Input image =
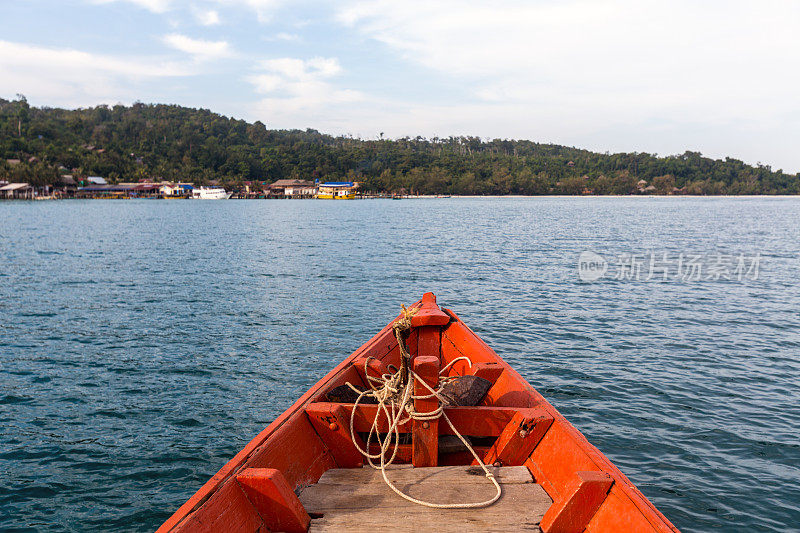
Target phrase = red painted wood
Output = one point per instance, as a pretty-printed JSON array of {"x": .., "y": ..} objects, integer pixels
[
  {"x": 619, "y": 513},
  {"x": 508, "y": 390},
  {"x": 230, "y": 511},
  {"x": 429, "y": 313},
  {"x": 292, "y": 445},
  {"x": 428, "y": 342},
  {"x": 425, "y": 435},
  {"x": 519, "y": 438},
  {"x": 375, "y": 367},
  {"x": 274, "y": 499},
  {"x": 279, "y": 452},
  {"x": 349, "y": 375},
  {"x": 387, "y": 351},
  {"x": 479, "y": 421},
  {"x": 332, "y": 423},
  {"x": 573, "y": 513},
  {"x": 556, "y": 459},
  {"x": 221, "y": 478},
  {"x": 448, "y": 459},
  {"x": 459, "y": 338},
  {"x": 488, "y": 371}
]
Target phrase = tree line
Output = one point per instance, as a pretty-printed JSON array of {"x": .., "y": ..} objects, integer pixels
[{"x": 129, "y": 143}]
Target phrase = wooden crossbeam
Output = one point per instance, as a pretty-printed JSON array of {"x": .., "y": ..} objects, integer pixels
[
  {"x": 273, "y": 499},
  {"x": 490, "y": 371},
  {"x": 479, "y": 421},
  {"x": 519, "y": 437},
  {"x": 425, "y": 434},
  {"x": 574, "y": 512},
  {"x": 445, "y": 459},
  {"x": 331, "y": 421},
  {"x": 375, "y": 367}
]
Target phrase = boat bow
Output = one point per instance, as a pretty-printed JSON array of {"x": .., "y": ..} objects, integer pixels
[{"x": 512, "y": 426}]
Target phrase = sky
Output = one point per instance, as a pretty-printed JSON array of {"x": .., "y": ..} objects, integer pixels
[{"x": 717, "y": 77}]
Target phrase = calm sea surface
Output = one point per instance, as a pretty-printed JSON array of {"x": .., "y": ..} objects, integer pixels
[{"x": 143, "y": 343}]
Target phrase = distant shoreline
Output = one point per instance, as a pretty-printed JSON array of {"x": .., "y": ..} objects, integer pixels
[
  {"x": 171, "y": 143},
  {"x": 450, "y": 197}
]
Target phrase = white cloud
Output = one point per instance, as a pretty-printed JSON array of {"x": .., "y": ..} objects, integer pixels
[
  {"x": 207, "y": 17},
  {"x": 620, "y": 47},
  {"x": 200, "y": 49},
  {"x": 156, "y": 6},
  {"x": 620, "y": 75},
  {"x": 73, "y": 78},
  {"x": 296, "y": 89},
  {"x": 303, "y": 70},
  {"x": 284, "y": 36},
  {"x": 611, "y": 74},
  {"x": 264, "y": 9}
]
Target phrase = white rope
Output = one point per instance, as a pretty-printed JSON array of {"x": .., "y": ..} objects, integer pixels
[{"x": 398, "y": 408}]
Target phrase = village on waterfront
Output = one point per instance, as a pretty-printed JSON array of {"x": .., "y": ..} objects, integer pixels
[
  {"x": 96, "y": 187},
  {"x": 73, "y": 186},
  {"x": 156, "y": 150}
]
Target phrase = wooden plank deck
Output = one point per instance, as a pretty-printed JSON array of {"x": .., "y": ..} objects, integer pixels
[{"x": 358, "y": 500}]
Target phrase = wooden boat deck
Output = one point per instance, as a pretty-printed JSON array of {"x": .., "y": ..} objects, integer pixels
[
  {"x": 358, "y": 500},
  {"x": 305, "y": 469}
]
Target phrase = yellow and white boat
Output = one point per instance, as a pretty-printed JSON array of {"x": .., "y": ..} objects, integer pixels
[{"x": 337, "y": 190}]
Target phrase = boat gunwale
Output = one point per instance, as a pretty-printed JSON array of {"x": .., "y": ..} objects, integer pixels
[
  {"x": 230, "y": 468},
  {"x": 647, "y": 509},
  {"x": 604, "y": 463}
]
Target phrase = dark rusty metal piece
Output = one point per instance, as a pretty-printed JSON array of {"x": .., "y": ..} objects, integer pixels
[
  {"x": 466, "y": 391},
  {"x": 344, "y": 394},
  {"x": 452, "y": 444}
]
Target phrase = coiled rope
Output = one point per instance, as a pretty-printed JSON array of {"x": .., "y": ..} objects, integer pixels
[{"x": 392, "y": 391}]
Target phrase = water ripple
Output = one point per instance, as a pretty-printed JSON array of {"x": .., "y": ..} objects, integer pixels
[{"x": 145, "y": 343}]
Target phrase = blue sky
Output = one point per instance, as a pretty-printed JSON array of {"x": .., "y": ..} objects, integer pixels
[{"x": 719, "y": 77}]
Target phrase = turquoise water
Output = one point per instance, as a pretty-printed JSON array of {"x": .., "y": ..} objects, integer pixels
[{"x": 143, "y": 343}]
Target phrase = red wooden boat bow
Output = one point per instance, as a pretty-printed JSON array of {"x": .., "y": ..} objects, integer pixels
[{"x": 305, "y": 471}]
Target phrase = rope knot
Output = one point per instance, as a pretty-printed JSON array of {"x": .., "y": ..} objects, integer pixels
[
  {"x": 395, "y": 399},
  {"x": 404, "y": 322}
]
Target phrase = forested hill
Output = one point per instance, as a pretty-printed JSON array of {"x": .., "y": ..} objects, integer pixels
[{"x": 176, "y": 143}]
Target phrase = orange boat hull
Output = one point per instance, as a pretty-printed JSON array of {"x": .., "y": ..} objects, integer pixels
[{"x": 588, "y": 492}]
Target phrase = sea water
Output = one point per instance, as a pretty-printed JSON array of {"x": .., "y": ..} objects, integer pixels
[{"x": 143, "y": 343}]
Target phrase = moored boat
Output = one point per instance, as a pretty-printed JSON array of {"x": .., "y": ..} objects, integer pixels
[
  {"x": 337, "y": 190},
  {"x": 423, "y": 427},
  {"x": 210, "y": 193}
]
